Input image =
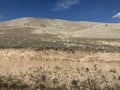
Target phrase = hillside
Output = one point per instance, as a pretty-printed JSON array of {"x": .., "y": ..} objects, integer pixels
[
  {"x": 59, "y": 34},
  {"x": 42, "y": 22},
  {"x": 67, "y": 28},
  {"x": 52, "y": 54}
]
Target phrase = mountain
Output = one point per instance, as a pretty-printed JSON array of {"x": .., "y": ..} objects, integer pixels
[
  {"x": 29, "y": 21},
  {"x": 66, "y": 28}
]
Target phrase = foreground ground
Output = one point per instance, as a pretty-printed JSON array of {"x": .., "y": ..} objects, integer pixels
[{"x": 27, "y": 69}]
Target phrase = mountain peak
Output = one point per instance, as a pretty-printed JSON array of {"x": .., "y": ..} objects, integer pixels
[{"x": 30, "y": 21}]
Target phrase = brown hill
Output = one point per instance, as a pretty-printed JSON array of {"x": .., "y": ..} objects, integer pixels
[{"x": 66, "y": 28}]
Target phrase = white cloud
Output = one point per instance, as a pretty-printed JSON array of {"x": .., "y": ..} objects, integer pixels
[
  {"x": 64, "y": 4},
  {"x": 116, "y": 15}
]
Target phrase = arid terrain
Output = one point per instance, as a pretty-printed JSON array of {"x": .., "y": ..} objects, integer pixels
[{"x": 52, "y": 54}]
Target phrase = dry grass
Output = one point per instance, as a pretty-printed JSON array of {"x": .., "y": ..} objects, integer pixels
[
  {"x": 66, "y": 29},
  {"x": 50, "y": 54},
  {"x": 58, "y": 70}
]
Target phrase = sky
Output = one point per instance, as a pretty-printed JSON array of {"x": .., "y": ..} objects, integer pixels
[{"x": 107, "y": 11}]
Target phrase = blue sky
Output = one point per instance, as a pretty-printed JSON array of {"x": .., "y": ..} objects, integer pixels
[{"x": 76, "y": 10}]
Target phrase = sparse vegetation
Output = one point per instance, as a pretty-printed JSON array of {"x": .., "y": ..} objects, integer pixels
[
  {"x": 43, "y": 80},
  {"x": 44, "y": 55},
  {"x": 58, "y": 70},
  {"x": 23, "y": 38}
]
